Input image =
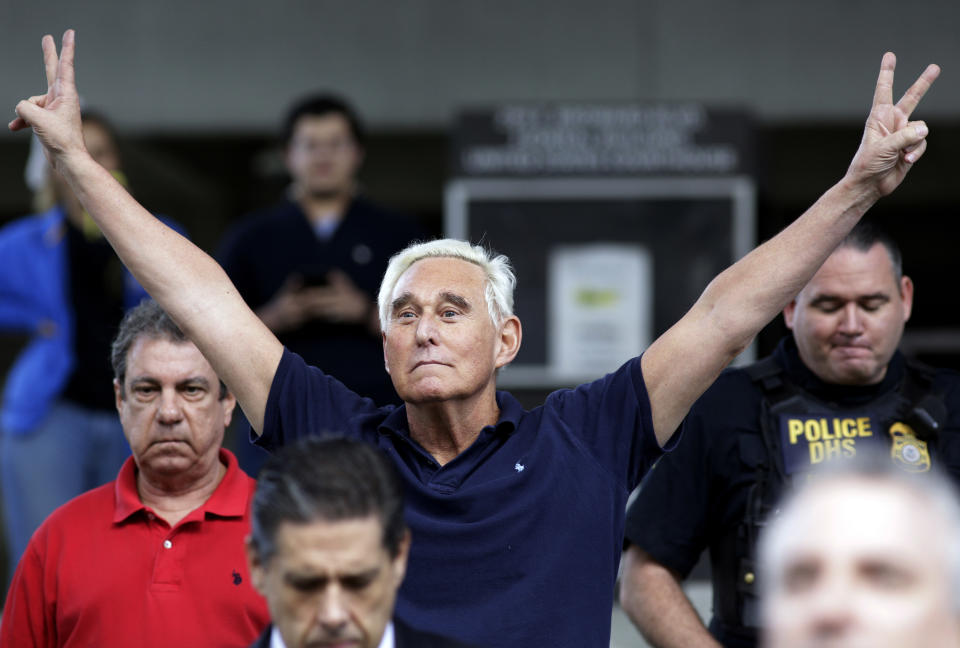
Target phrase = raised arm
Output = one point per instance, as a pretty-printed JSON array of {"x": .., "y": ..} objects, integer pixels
[
  {"x": 685, "y": 360},
  {"x": 186, "y": 282}
]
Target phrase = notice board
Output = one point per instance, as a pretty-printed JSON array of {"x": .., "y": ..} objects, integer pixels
[{"x": 615, "y": 219}]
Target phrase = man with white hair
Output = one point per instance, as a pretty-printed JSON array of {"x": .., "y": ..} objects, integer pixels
[
  {"x": 868, "y": 555},
  {"x": 517, "y": 516}
]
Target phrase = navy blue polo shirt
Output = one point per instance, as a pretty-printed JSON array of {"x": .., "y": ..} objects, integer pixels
[{"x": 516, "y": 541}]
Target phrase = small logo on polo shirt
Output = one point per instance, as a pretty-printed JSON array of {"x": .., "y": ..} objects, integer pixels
[
  {"x": 237, "y": 578},
  {"x": 518, "y": 467}
]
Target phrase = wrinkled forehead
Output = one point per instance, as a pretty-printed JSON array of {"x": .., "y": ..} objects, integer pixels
[
  {"x": 151, "y": 353},
  {"x": 432, "y": 276}
]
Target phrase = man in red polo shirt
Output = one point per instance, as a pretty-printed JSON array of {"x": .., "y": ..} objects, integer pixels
[{"x": 155, "y": 558}]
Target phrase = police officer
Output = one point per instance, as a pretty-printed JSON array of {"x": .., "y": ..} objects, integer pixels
[{"x": 837, "y": 386}]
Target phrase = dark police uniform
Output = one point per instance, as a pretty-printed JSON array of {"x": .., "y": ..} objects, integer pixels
[{"x": 753, "y": 432}]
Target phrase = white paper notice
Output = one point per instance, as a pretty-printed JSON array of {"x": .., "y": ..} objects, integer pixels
[{"x": 601, "y": 298}]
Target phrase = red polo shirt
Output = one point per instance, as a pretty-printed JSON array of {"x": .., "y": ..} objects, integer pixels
[{"x": 104, "y": 571}]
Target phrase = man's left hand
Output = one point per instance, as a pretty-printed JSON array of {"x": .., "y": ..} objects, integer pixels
[{"x": 891, "y": 143}]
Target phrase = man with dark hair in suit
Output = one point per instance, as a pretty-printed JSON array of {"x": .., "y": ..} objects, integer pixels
[{"x": 328, "y": 548}]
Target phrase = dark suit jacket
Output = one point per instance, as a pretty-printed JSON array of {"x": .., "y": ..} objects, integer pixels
[
  {"x": 263, "y": 641},
  {"x": 404, "y": 635}
]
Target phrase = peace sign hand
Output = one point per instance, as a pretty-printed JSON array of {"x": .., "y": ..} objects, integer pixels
[
  {"x": 891, "y": 143},
  {"x": 55, "y": 116}
]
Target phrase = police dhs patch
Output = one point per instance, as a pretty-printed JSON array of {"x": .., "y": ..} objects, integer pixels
[{"x": 810, "y": 440}]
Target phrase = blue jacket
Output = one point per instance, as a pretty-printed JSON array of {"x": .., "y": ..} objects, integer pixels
[{"x": 33, "y": 294}]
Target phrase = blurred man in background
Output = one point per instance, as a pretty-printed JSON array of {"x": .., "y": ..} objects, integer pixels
[
  {"x": 867, "y": 556},
  {"x": 310, "y": 266}
]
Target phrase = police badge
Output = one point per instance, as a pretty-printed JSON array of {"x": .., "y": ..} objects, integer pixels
[{"x": 907, "y": 451}]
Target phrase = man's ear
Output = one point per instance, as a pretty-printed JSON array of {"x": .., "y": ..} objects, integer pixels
[
  {"x": 228, "y": 403},
  {"x": 789, "y": 311},
  {"x": 906, "y": 296},
  {"x": 118, "y": 395},
  {"x": 400, "y": 561},
  {"x": 511, "y": 334},
  {"x": 383, "y": 337}
]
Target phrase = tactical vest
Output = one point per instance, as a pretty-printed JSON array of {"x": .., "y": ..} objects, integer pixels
[{"x": 799, "y": 431}]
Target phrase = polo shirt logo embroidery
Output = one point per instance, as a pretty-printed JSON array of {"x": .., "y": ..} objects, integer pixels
[
  {"x": 518, "y": 467},
  {"x": 237, "y": 578}
]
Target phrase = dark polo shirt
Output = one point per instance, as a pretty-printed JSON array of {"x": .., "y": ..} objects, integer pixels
[{"x": 516, "y": 541}]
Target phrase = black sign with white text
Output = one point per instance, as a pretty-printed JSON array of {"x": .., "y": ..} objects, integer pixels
[{"x": 603, "y": 140}]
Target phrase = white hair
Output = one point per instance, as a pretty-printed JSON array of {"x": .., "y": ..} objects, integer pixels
[
  {"x": 934, "y": 492},
  {"x": 498, "y": 287}
]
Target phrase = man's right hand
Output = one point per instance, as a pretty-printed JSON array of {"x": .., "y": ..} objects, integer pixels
[
  {"x": 184, "y": 280},
  {"x": 55, "y": 116}
]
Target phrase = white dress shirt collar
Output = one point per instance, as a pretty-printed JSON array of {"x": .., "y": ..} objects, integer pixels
[{"x": 276, "y": 641}]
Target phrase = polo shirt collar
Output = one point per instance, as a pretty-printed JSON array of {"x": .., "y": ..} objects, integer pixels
[
  {"x": 396, "y": 422},
  {"x": 125, "y": 491},
  {"x": 232, "y": 495},
  {"x": 230, "y": 498},
  {"x": 510, "y": 413}
]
